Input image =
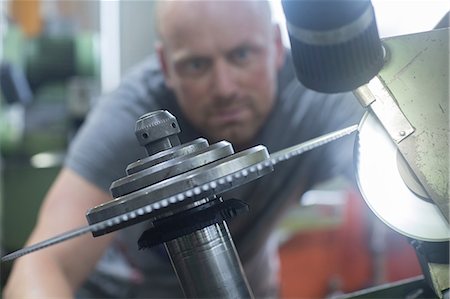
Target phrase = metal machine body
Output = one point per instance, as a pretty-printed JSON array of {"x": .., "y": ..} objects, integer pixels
[
  {"x": 402, "y": 149},
  {"x": 406, "y": 132},
  {"x": 410, "y": 97}
]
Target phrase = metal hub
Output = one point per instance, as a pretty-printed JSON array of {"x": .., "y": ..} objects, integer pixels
[
  {"x": 177, "y": 177},
  {"x": 170, "y": 168}
]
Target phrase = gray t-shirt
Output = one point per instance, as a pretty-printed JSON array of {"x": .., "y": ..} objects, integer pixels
[{"x": 106, "y": 144}]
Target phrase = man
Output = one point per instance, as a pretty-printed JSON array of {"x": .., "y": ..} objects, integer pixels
[{"x": 222, "y": 72}]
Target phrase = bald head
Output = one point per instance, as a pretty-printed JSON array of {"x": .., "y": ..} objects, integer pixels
[{"x": 170, "y": 13}]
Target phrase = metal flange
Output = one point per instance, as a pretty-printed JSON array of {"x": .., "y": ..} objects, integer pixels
[
  {"x": 175, "y": 178},
  {"x": 171, "y": 153},
  {"x": 170, "y": 168}
]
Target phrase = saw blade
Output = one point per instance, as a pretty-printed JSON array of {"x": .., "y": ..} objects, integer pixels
[
  {"x": 385, "y": 190},
  {"x": 274, "y": 159}
]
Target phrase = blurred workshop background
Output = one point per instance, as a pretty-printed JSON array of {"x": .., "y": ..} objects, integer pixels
[{"x": 56, "y": 57}]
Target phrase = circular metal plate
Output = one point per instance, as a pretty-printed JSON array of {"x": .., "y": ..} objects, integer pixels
[
  {"x": 385, "y": 191},
  {"x": 170, "y": 168},
  {"x": 171, "y": 153},
  {"x": 205, "y": 181}
]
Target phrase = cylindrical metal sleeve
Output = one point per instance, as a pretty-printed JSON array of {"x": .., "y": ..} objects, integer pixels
[{"x": 207, "y": 264}]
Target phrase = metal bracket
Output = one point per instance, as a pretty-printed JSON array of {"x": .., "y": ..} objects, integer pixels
[{"x": 378, "y": 97}]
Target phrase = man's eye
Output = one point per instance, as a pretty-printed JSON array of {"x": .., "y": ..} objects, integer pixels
[
  {"x": 241, "y": 55},
  {"x": 196, "y": 64},
  {"x": 193, "y": 67}
]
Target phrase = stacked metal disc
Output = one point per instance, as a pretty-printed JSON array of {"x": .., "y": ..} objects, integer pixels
[{"x": 175, "y": 177}]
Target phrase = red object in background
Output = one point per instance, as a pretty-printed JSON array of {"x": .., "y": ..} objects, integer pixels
[{"x": 315, "y": 264}]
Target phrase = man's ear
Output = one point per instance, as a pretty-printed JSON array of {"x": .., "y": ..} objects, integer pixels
[
  {"x": 280, "y": 51},
  {"x": 159, "y": 48}
]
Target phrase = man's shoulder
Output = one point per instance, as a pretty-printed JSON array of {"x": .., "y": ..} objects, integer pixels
[
  {"x": 141, "y": 89},
  {"x": 147, "y": 75}
]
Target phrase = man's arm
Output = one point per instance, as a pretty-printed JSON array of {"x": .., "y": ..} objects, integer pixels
[{"x": 57, "y": 271}]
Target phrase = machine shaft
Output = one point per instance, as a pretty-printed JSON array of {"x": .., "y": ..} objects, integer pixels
[{"x": 207, "y": 264}]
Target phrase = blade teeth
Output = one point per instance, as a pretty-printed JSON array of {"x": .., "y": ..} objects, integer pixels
[{"x": 197, "y": 190}]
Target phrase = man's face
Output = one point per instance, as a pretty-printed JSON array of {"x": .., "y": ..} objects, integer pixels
[{"x": 221, "y": 59}]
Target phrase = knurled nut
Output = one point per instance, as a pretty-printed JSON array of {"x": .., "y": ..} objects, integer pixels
[{"x": 156, "y": 125}]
